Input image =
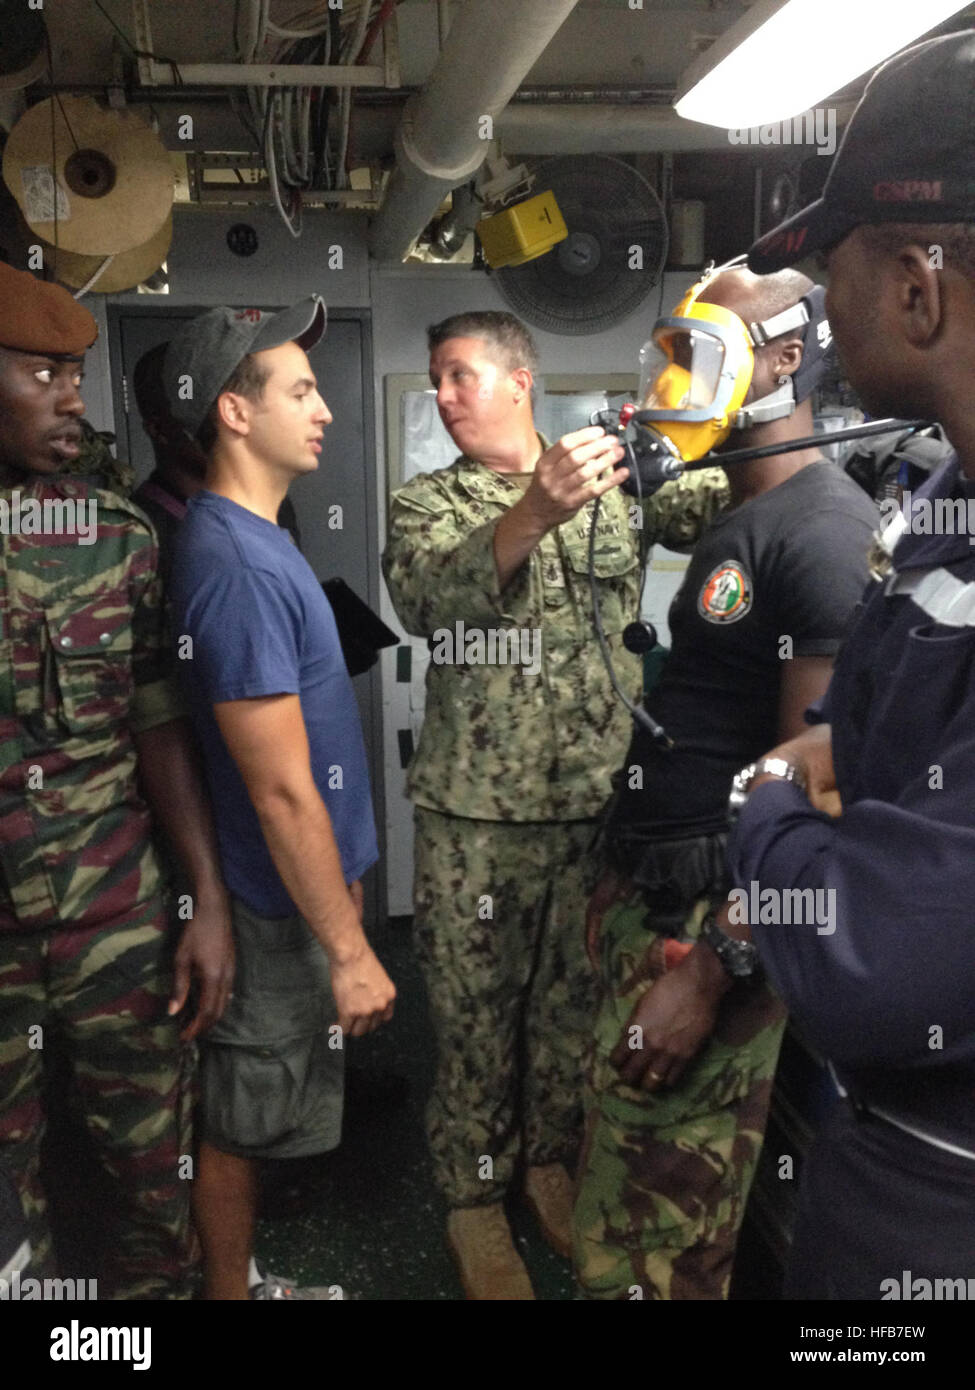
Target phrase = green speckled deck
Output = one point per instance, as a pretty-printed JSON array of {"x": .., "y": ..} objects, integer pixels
[{"x": 371, "y": 1219}]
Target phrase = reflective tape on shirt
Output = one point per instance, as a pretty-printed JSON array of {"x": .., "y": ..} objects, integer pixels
[{"x": 937, "y": 593}]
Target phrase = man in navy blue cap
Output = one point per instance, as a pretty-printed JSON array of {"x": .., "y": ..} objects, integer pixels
[
  {"x": 876, "y": 802},
  {"x": 285, "y": 759}
]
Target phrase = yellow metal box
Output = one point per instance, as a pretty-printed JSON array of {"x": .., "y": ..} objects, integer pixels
[{"x": 522, "y": 232}]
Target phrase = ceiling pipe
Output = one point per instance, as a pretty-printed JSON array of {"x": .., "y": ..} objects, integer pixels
[
  {"x": 604, "y": 129},
  {"x": 615, "y": 129},
  {"x": 444, "y": 135}
]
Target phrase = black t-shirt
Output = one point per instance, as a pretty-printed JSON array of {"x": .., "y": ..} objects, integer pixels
[{"x": 775, "y": 577}]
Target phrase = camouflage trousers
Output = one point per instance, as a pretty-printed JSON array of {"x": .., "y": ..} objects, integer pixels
[
  {"x": 500, "y": 911},
  {"x": 664, "y": 1177},
  {"x": 105, "y": 991}
]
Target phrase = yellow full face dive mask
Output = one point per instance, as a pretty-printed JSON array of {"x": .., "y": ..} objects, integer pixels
[
  {"x": 694, "y": 375},
  {"x": 697, "y": 367}
]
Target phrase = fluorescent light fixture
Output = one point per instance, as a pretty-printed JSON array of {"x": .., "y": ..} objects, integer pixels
[{"x": 783, "y": 58}]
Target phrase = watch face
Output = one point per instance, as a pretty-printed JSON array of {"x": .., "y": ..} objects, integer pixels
[
  {"x": 738, "y": 958},
  {"x": 743, "y": 964}
]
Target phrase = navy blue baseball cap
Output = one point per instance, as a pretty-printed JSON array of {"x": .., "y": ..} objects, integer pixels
[
  {"x": 907, "y": 155},
  {"x": 817, "y": 346}
]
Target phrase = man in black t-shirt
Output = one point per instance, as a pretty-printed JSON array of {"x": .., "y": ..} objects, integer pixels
[{"x": 687, "y": 1037}]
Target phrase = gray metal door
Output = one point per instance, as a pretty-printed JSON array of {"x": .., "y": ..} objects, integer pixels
[{"x": 345, "y": 477}]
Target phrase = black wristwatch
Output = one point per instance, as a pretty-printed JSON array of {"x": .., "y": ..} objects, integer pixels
[{"x": 739, "y": 959}]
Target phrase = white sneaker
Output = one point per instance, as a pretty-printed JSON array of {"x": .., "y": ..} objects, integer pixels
[{"x": 273, "y": 1286}]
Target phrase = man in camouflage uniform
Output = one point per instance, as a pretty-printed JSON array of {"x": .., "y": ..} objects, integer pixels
[
  {"x": 520, "y": 736},
  {"x": 85, "y": 944},
  {"x": 687, "y": 1037}
]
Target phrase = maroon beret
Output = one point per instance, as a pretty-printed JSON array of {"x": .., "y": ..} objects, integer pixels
[{"x": 37, "y": 316}]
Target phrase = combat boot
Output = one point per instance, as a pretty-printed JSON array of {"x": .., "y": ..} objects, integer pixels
[
  {"x": 549, "y": 1194},
  {"x": 489, "y": 1266}
]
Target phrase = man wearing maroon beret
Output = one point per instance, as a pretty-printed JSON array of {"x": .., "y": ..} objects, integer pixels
[{"x": 93, "y": 748}]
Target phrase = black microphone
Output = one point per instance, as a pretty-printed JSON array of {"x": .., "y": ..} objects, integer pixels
[{"x": 650, "y": 462}]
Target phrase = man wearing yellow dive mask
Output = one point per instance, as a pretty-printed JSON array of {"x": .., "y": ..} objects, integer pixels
[
  {"x": 697, "y": 371},
  {"x": 687, "y": 1034}
]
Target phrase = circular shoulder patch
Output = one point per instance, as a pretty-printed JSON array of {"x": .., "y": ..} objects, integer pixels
[{"x": 727, "y": 593}]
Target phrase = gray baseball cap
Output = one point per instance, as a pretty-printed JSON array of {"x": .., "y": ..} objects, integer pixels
[{"x": 204, "y": 354}]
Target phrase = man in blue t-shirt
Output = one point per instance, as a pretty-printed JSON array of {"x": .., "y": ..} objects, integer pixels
[{"x": 273, "y": 706}]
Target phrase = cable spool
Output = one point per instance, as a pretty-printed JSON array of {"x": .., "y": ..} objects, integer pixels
[
  {"x": 113, "y": 178},
  {"x": 125, "y": 270}
]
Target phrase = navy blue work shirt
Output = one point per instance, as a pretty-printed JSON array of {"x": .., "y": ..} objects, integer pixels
[{"x": 889, "y": 995}]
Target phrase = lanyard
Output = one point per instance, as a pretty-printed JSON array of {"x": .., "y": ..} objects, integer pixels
[{"x": 165, "y": 499}]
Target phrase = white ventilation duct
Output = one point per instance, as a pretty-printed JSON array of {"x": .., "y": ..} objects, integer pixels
[
  {"x": 548, "y": 129},
  {"x": 443, "y": 136}
]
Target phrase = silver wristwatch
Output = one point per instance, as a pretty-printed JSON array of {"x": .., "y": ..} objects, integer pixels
[{"x": 741, "y": 783}]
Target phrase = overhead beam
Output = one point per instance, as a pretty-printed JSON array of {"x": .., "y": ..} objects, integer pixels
[
  {"x": 152, "y": 73},
  {"x": 266, "y": 75}
]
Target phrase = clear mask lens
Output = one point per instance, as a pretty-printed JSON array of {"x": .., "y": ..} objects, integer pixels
[{"x": 680, "y": 369}]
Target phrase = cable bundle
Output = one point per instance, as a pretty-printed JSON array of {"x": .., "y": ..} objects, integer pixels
[{"x": 290, "y": 125}]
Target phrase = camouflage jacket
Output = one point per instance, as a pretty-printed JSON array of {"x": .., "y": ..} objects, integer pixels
[
  {"x": 523, "y": 724},
  {"x": 81, "y": 642},
  {"x": 97, "y": 462}
]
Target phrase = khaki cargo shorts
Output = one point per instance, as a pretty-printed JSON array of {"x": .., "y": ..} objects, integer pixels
[{"x": 271, "y": 1072}]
